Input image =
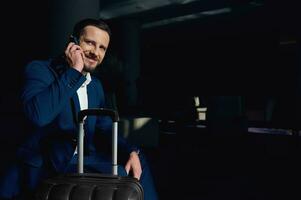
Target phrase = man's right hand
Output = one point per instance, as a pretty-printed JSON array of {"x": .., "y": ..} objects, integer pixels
[{"x": 74, "y": 55}]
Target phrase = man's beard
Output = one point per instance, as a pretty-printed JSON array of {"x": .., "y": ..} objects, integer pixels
[{"x": 89, "y": 69}]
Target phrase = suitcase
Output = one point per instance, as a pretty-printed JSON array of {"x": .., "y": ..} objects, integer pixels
[{"x": 91, "y": 186}]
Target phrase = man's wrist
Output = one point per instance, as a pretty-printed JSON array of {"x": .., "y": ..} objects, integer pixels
[{"x": 136, "y": 150}]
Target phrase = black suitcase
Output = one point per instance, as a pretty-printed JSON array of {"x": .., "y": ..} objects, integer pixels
[{"x": 85, "y": 186}]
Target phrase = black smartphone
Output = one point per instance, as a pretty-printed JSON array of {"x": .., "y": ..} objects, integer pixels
[{"x": 73, "y": 39}]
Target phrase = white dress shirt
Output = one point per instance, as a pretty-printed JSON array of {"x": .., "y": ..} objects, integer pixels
[
  {"x": 83, "y": 96},
  {"x": 82, "y": 93}
]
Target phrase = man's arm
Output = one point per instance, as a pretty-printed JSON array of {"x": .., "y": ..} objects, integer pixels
[{"x": 44, "y": 95}]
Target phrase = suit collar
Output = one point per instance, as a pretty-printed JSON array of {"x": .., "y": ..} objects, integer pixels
[{"x": 92, "y": 103}]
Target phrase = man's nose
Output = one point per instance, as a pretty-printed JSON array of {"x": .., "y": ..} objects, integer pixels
[
  {"x": 95, "y": 52},
  {"x": 92, "y": 52}
]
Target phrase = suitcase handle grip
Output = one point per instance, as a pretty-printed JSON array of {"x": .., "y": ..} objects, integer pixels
[{"x": 98, "y": 111}]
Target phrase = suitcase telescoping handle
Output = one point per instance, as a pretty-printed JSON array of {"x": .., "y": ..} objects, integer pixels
[{"x": 104, "y": 112}]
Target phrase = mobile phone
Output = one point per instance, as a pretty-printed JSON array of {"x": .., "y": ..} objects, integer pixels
[{"x": 73, "y": 39}]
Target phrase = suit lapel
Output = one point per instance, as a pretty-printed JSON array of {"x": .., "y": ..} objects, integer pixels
[
  {"x": 91, "y": 99},
  {"x": 75, "y": 107},
  {"x": 92, "y": 103}
]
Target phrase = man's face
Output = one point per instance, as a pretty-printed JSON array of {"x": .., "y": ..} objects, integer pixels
[{"x": 94, "y": 43}]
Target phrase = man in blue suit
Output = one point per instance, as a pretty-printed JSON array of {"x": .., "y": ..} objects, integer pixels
[{"x": 55, "y": 90}]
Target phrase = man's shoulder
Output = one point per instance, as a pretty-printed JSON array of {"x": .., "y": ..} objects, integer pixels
[
  {"x": 37, "y": 67},
  {"x": 38, "y": 63}
]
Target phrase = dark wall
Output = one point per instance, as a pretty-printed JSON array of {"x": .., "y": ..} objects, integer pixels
[
  {"x": 236, "y": 54},
  {"x": 24, "y": 36},
  {"x": 222, "y": 52},
  {"x": 250, "y": 53}
]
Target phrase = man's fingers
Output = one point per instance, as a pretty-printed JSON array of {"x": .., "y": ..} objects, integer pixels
[
  {"x": 72, "y": 47},
  {"x": 134, "y": 165},
  {"x": 127, "y": 167},
  {"x": 137, "y": 173},
  {"x": 68, "y": 48}
]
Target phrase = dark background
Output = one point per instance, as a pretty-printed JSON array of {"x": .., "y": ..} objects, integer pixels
[
  {"x": 252, "y": 54},
  {"x": 247, "y": 53}
]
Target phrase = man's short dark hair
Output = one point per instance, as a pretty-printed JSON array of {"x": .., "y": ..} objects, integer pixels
[{"x": 99, "y": 23}]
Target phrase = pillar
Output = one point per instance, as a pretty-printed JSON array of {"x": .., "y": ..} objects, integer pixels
[
  {"x": 64, "y": 15},
  {"x": 130, "y": 41}
]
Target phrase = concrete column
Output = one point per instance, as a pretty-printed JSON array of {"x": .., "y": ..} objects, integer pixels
[
  {"x": 64, "y": 15},
  {"x": 130, "y": 40}
]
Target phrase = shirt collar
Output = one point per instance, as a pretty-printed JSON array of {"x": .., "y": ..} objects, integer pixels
[{"x": 88, "y": 80}]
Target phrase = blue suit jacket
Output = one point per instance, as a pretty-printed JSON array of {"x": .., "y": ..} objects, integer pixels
[{"x": 50, "y": 102}]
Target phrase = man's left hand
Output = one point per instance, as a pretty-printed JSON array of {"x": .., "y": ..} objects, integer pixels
[{"x": 134, "y": 165}]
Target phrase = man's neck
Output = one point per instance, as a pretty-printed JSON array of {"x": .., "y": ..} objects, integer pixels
[{"x": 84, "y": 72}]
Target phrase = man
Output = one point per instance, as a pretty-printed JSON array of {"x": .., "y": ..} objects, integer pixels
[{"x": 54, "y": 92}]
